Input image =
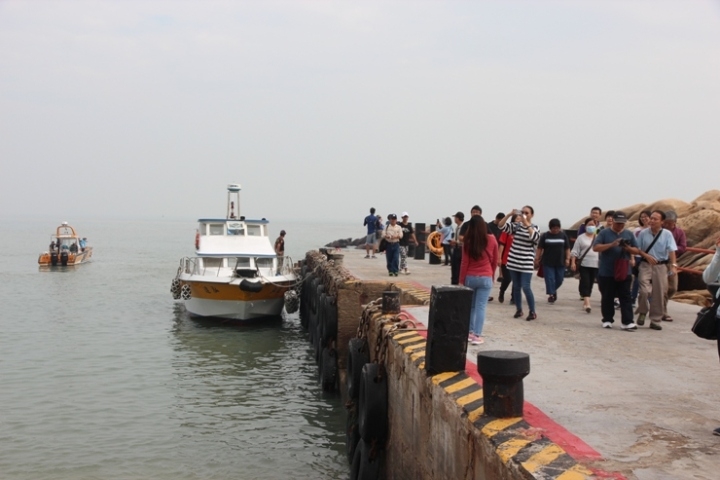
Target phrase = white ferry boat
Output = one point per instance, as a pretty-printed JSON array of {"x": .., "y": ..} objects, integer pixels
[{"x": 235, "y": 273}]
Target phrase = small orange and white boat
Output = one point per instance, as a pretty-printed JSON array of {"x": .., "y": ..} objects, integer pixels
[
  {"x": 236, "y": 273},
  {"x": 66, "y": 249}
]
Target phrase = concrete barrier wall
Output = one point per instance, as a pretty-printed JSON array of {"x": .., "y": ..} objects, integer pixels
[{"x": 437, "y": 429}]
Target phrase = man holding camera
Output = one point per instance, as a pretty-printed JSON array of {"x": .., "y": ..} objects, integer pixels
[
  {"x": 657, "y": 248},
  {"x": 615, "y": 246}
]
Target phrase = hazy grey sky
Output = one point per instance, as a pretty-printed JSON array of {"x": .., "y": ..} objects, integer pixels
[{"x": 323, "y": 109}]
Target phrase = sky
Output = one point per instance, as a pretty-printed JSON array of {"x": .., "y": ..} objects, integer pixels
[{"x": 321, "y": 110}]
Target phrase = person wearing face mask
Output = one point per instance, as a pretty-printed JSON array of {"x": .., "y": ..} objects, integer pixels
[{"x": 584, "y": 261}]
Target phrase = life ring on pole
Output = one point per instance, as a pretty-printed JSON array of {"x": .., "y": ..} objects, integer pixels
[
  {"x": 434, "y": 243},
  {"x": 197, "y": 240}
]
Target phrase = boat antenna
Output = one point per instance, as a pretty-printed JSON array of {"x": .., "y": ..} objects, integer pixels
[{"x": 233, "y": 196}]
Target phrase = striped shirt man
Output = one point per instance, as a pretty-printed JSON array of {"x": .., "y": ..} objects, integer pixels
[{"x": 522, "y": 250}]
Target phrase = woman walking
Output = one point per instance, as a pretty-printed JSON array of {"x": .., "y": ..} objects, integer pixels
[
  {"x": 506, "y": 240},
  {"x": 521, "y": 260},
  {"x": 477, "y": 270},
  {"x": 584, "y": 261}
]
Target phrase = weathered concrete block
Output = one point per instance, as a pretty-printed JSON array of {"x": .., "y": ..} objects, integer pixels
[{"x": 448, "y": 327}]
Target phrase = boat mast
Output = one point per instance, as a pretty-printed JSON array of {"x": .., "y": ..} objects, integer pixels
[{"x": 233, "y": 197}]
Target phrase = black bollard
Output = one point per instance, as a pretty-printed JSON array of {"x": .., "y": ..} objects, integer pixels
[
  {"x": 502, "y": 372},
  {"x": 391, "y": 302},
  {"x": 448, "y": 327},
  {"x": 420, "y": 236},
  {"x": 433, "y": 259}
]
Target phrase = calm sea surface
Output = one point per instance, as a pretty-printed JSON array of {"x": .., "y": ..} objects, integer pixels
[{"x": 104, "y": 376}]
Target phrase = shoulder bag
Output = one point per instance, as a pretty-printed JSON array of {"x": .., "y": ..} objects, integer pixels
[
  {"x": 705, "y": 325},
  {"x": 580, "y": 259}
]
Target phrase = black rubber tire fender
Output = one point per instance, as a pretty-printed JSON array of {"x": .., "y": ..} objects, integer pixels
[
  {"x": 365, "y": 466},
  {"x": 358, "y": 356},
  {"x": 330, "y": 320},
  {"x": 352, "y": 432},
  {"x": 328, "y": 370},
  {"x": 373, "y": 403}
]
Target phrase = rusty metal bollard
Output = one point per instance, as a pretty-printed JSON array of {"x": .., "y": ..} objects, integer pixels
[
  {"x": 448, "y": 326},
  {"x": 502, "y": 372},
  {"x": 391, "y": 302}
]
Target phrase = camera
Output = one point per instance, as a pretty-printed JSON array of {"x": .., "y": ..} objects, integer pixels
[{"x": 623, "y": 243}]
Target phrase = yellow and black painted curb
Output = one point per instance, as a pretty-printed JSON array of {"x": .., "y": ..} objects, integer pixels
[{"x": 514, "y": 440}]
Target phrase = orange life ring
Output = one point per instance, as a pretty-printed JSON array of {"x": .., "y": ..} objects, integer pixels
[
  {"x": 434, "y": 243},
  {"x": 197, "y": 240}
]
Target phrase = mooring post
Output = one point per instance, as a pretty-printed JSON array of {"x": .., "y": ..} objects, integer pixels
[
  {"x": 337, "y": 257},
  {"x": 502, "y": 372},
  {"x": 391, "y": 302},
  {"x": 420, "y": 236},
  {"x": 448, "y": 327}
]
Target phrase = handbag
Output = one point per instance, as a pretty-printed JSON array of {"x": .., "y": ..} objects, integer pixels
[
  {"x": 540, "y": 271},
  {"x": 705, "y": 325},
  {"x": 382, "y": 246},
  {"x": 579, "y": 260}
]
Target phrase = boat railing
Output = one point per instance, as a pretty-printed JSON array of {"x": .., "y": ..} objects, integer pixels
[{"x": 191, "y": 266}]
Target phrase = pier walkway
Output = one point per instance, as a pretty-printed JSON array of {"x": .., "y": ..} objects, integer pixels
[{"x": 645, "y": 401}]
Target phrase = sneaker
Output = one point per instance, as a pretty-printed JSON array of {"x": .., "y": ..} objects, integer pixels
[
  {"x": 531, "y": 316},
  {"x": 607, "y": 325},
  {"x": 477, "y": 341},
  {"x": 655, "y": 326},
  {"x": 630, "y": 326},
  {"x": 588, "y": 309},
  {"x": 390, "y": 274},
  {"x": 641, "y": 319},
  {"x": 407, "y": 272},
  {"x": 518, "y": 314},
  {"x": 373, "y": 256},
  {"x": 716, "y": 432},
  {"x": 471, "y": 337},
  {"x": 617, "y": 304},
  {"x": 667, "y": 318},
  {"x": 367, "y": 256},
  {"x": 551, "y": 299},
  {"x": 501, "y": 297},
  {"x": 490, "y": 299}
]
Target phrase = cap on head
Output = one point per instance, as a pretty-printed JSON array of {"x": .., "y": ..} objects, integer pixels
[
  {"x": 619, "y": 217},
  {"x": 392, "y": 216},
  {"x": 460, "y": 216},
  {"x": 282, "y": 232},
  {"x": 404, "y": 214}
]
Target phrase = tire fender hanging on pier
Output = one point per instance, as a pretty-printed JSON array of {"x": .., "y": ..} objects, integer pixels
[
  {"x": 358, "y": 356},
  {"x": 367, "y": 462},
  {"x": 373, "y": 400}
]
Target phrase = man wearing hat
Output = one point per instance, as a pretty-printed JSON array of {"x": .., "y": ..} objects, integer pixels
[
  {"x": 393, "y": 234},
  {"x": 408, "y": 234},
  {"x": 280, "y": 249},
  {"x": 456, "y": 259},
  {"x": 615, "y": 246}
]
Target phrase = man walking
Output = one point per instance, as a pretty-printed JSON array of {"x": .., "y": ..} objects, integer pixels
[
  {"x": 456, "y": 244},
  {"x": 615, "y": 244},
  {"x": 657, "y": 248},
  {"x": 371, "y": 222},
  {"x": 678, "y": 234}
]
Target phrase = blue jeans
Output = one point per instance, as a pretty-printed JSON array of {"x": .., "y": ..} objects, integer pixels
[
  {"x": 392, "y": 255},
  {"x": 554, "y": 277},
  {"x": 481, "y": 287},
  {"x": 521, "y": 280}
]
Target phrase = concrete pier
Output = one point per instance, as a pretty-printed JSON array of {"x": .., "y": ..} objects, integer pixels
[{"x": 636, "y": 405}]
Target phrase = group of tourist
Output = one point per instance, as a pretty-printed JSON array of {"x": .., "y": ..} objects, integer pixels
[{"x": 628, "y": 267}]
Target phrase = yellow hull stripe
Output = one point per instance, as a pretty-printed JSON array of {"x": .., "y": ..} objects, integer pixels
[{"x": 225, "y": 291}]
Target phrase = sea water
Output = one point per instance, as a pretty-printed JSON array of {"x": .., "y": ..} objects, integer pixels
[{"x": 104, "y": 376}]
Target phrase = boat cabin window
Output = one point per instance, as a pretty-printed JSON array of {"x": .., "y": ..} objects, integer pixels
[
  {"x": 242, "y": 262},
  {"x": 236, "y": 228},
  {"x": 254, "y": 230},
  {"x": 216, "y": 229},
  {"x": 264, "y": 262},
  {"x": 209, "y": 262}
]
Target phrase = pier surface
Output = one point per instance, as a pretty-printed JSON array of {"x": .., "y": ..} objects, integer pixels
[{"x": 646, "y": 401}]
